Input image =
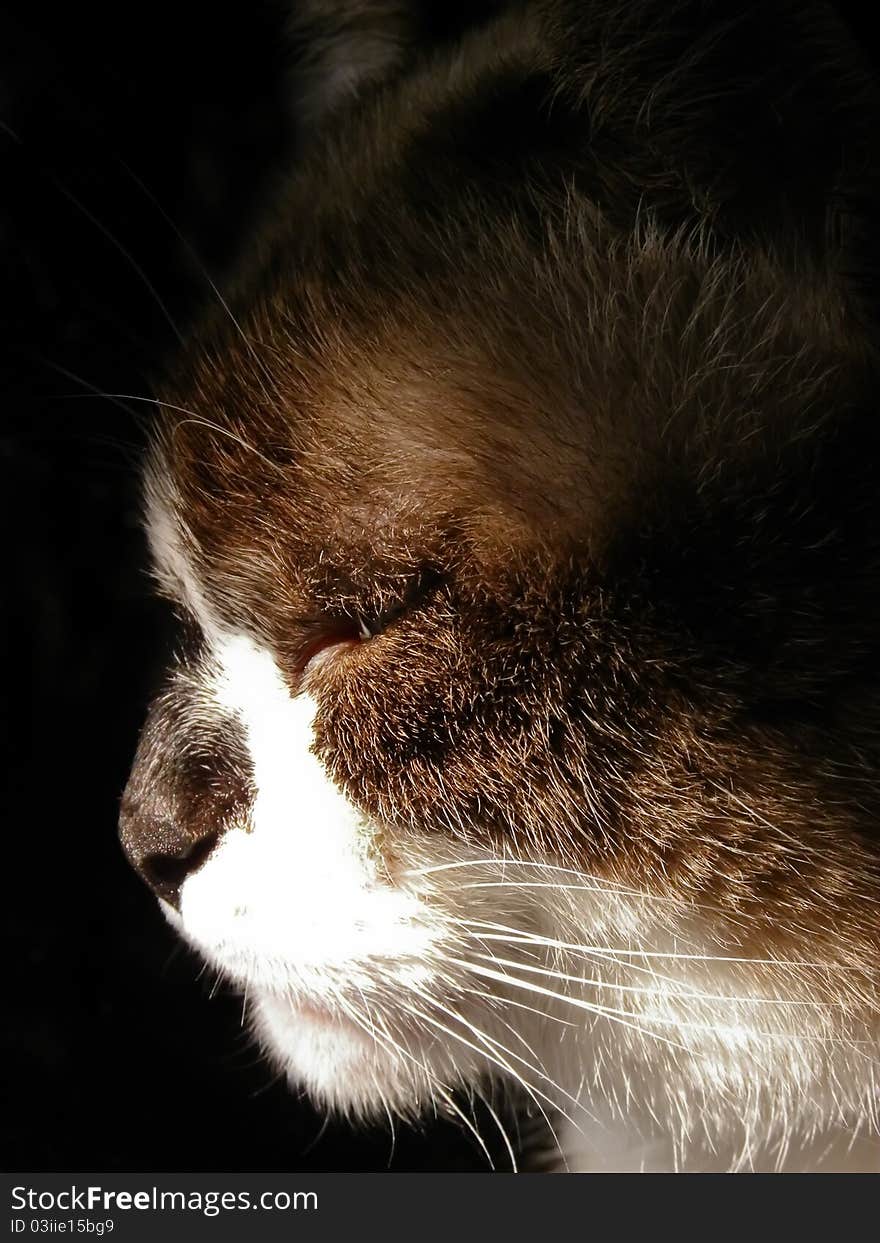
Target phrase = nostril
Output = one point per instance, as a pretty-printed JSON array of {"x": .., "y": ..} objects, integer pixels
[{"x": 165, "y": 873}]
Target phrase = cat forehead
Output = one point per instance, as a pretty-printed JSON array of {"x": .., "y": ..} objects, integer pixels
[
  {"x": 370, "y": 478},
  {"x": 494, "y": 423}
]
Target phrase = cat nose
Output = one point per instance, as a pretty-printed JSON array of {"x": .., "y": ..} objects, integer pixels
[{"x": 162, "y": 852}]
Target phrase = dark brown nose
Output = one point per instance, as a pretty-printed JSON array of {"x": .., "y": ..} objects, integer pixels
[
  {"x": 190, "y": 780},
  {"x": 160, "y": 851}
]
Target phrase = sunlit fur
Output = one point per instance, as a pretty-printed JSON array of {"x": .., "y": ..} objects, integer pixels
[{"x": 521, "y": 502}]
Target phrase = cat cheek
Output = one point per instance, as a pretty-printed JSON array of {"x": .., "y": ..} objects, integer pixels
[{"x": 291, "y": 891}]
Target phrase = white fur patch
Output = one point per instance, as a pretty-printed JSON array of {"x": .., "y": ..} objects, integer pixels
[
  {"x": 290, "y": 904},
  {"x": 292, "y": 894}
]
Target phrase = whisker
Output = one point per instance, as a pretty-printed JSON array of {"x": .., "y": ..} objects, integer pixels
[
  {"x": 522, "y": 938},
  {"x": 523, "y": 1041},
  {"x": 514, "y": 1167},
  {"x": 493, "y": 1057},
  {"x": 613, "y": 1015},
  {"x": 321, "y": 1132},
  {"x": 126, "y": 254},
  {"x": 446, "y": 1096},
  {"x": 200, "y": 421},
  {"x": 196, "y": 419},
  {"x": 717, "y": 1029},
  {"x": 197, "y": 260},
  {"x": 114, "y": 398},
  {"x": 390, "y": 1118},
  {"x": 105, "y": 231},
  {"x": 658, "y": 990},
  {"x": 442, "y": 1090},
  {"x": 616, "y": 951},
  {"x": 520, "y": 1005},
  {"x": 512, "y": 862},
  {"x": 484, "y": 1038}
]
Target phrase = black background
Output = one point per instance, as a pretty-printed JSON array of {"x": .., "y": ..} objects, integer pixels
[{"x": 114, "y": 122}]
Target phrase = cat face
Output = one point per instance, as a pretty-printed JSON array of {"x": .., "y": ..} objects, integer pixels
[{"x": 524, "y": 725}]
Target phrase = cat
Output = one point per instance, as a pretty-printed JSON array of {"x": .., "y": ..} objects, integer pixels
[{"x": 518, "y": 500}]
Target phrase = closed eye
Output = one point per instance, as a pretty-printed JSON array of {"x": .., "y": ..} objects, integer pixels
[
  {"x": 363, "y": 625},
  {"x": 336, "y": 636},
  {"x": 372, "y": 627},
  {"x": 422, "y": 587}
]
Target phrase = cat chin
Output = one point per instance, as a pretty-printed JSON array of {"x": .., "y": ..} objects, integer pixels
[
  {"x": 339, "y": 1064},
  {"x": 323, "y": 1051}
]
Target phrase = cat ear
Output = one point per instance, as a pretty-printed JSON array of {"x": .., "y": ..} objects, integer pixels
[{"x": 340, "y": 49}]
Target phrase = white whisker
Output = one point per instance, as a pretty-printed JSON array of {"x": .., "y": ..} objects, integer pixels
[
  {"x": 623, "y": 952},
  {"x": 514, "y": 1166},
  {"x": 494, "y": 1057},
  {"x": 677, "y": 993},
  {"x": 623, "y": 1017}
]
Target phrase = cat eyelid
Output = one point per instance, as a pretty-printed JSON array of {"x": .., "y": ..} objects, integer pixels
[{"x": 418, "y": 592}]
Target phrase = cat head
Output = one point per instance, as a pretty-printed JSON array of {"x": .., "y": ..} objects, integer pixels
[{"x": 523, "y": 537}]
